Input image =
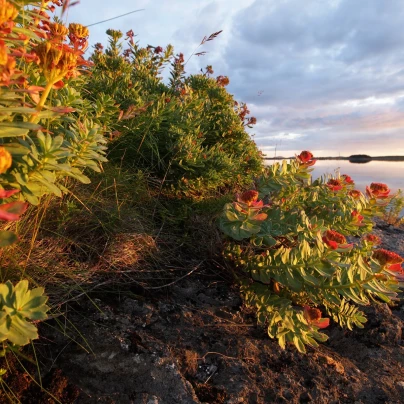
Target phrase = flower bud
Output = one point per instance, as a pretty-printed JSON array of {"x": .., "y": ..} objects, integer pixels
[
  {"x": 7, "y": 12},
  {"x": 373, "y": 239},
  {"x": 58, "y": 31},
  {"x": 78, "y": 30},
  {"x": 355, "y": 193},
  {"x": 347, "y": 179},
  {"x": 5, "y": 160},
  {"x": 334, "y": 184},
  {"x": 57, "y": 60},
  {"x": 3, "y": 53},
  {"x": 248, "y": 197},
  {"x": 386, "y": 257}
]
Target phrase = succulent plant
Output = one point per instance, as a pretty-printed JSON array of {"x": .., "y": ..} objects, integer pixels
[{"x": 18, "y": 304}]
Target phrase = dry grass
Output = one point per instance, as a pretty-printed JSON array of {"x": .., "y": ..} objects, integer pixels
[
  {"x": 112, "y": 233},
  {"x": 127, "y": 251},
  {"x": 190, "y": 362}
]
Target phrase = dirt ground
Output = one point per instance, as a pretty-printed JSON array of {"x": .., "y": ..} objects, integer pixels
[{"x": 196, "y": 343}]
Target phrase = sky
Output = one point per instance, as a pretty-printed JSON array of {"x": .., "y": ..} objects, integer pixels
[{"x": 319, "y": 75}]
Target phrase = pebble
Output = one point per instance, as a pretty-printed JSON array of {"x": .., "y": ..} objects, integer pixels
[
  {"x": 153, "y": 400},
  {"x": 401, "y": 384}
]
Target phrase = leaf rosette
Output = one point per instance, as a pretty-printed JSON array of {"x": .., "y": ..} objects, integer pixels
[{"x": 18, "y": 304}]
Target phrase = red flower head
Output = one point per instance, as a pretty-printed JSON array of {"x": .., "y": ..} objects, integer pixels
[
  {"x": 98, "y": 47},
  {"x": 334, "y": 185},
  {"x": 355, "y": 193},
  {"x": 373, "y": 239},
  {"x": 347, "y": 179},
  {"x": 248, "y": 202},
  {"x": 248, "y": 197},
  {"x": 313, "y": 317},
  {"x": 388, "y": 259},
  {"x": 158, "y": 49},
  {"x": 306, "y": 158},
  {"x": 378, "y": 190},
  {"x": 336, "y": 241},
  {"x": 357, "y": 218},
  {"x": 252, "y": 120},
  {"x": 222, "y": 81},
  {"x": 130, "y": 34}
]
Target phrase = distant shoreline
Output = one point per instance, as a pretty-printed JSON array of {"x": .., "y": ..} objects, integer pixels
[{"x": 350, "y": 158}]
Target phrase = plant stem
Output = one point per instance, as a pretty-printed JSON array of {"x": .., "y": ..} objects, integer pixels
[{"x": 34, "y": 118}]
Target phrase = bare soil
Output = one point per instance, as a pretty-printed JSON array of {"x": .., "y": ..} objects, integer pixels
[{"x": 196, "y": 343}]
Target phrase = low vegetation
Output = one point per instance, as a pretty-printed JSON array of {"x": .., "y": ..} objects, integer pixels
[
  {"x": 293, "y": 255},
  {"x": 112, "y": 176}
]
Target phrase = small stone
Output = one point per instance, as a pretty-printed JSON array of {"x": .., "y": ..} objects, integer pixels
[
  {"x": 287, "y": 394},
  {"x": 338, "y": 365},
  {"x": 153, "y": 400},
  {"x": 212, "y": 369},
  {"x": 400, "y": 384},
  {"x": 112, "y": 355},
  {"x": 305, "y": 397}
]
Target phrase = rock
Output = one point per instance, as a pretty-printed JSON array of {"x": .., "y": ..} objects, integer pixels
[
  {"x": 305, "y": 397},
  {"x": 288, "y": 395},
  {"x": 133, "y": 307},
  {"x": 153, "y": 400}
]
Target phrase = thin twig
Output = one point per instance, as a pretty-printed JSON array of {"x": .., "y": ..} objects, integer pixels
[{"x": 176, "y": 280}]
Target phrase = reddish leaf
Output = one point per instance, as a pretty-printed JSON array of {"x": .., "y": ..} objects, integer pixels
[
  {"x": 13, "y": 210},
  {"x": 6, "y": 194}
]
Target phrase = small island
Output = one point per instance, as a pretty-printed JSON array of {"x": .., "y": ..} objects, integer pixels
[{"x": 354, "y": 158}]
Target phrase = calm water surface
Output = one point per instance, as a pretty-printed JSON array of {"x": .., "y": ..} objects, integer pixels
[{"x": 388, "y": 172}]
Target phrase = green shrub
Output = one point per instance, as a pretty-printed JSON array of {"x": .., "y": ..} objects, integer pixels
[
  {"x": 48, "y": 134},
  {"x": 51, "y": 132},
  {"x": 293, "y": 255},
  {"x": 393, "y": 213},
  {"x": 188, "y": 132}
]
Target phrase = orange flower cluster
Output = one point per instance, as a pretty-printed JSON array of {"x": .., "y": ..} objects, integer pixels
[
  {"x": 8, "y": 72},
  {"x": 389, "y": 259},
  {"x": 222, "y": 81},
  {"x": 334, "y": 236},
  {"x": 373, "y": 239},
  {"x": 12, "y": 210},
  {"x": 5, "y": 160},
  {"x": 209, "y": 69},
  {"x": 7, "y": 65},
  {"x": 57, "y": 60},
  {"x": 248, "y": 202},
  {"x": 8, "y": 13},
  {"x": 248, "y": 197},
  {"x": 336, "y": 240},
  {"x": 347, "y": 179},
  {"x": 58, "y": 31},
  {"x": 378, "y": 190},
  {"x": 356, "y": 218},
  {"x": 334, "y": 184},
  {"x": 314, "y": 317},
  {"x": 355, "y": 193},
  {"x": 78, "y": 35}
]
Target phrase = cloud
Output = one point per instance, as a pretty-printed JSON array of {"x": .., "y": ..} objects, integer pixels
[{"x": 330, "y": 71}]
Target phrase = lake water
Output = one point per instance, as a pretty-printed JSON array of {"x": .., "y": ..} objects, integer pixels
[{"x": 388, "y": 172}]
